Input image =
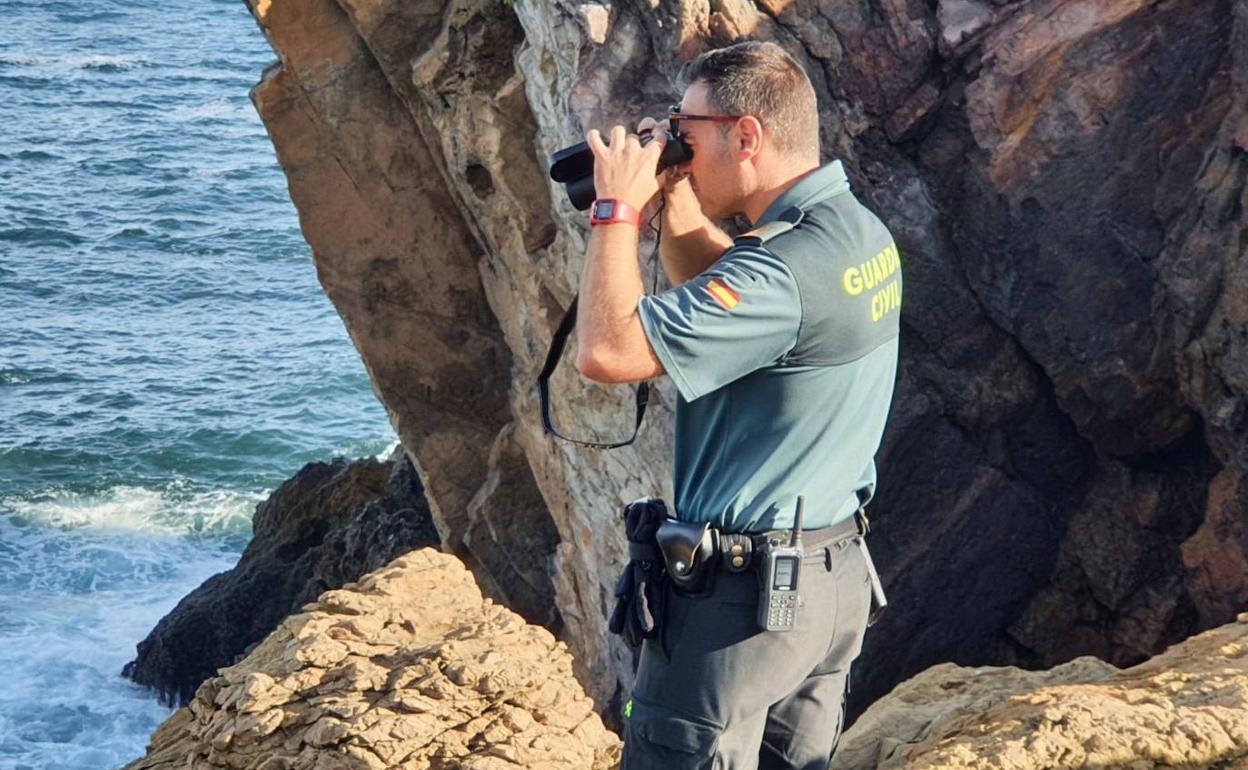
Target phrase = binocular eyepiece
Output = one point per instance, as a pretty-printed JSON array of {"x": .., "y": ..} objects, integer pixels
[{"x": 574, "y": 167}]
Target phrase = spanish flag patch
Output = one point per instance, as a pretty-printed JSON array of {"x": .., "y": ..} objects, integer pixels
[{"x": 722, "y": 294}]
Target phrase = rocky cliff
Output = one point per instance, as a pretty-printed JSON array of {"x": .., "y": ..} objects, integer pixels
[
  {"x": 1063, "y": 472},
  {"x": 410, "y": 667}
]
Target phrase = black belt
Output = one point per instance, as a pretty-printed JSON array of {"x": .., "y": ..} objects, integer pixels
[
  {"x": 736, "y": 550},
  {"x": 817, "y": 540},
  {"x": 690, "y": 552},
  {"x": 813, "y": 540}
]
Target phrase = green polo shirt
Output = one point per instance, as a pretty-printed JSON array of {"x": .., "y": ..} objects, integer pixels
[{"x": 784, "y": 355}]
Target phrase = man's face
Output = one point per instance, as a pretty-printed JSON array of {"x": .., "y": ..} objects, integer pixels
[{"x": 712, "y": 172}]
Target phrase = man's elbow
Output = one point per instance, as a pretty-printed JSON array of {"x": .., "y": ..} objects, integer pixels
[
  {"x": 594, "y": 366},
  {"x": 617, "y": 361}
]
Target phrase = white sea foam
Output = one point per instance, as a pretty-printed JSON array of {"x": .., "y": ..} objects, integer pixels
[
  {"x": 384, "y": 454},
  {"x": 74, "y": 62},
  {"x": 108, "y": 61},
  {"x": 24, "y": 59},
  {"x": 369, "y": 448},
  {"x": 170, "y": 511},
  {"x": 83, "y": 578}
]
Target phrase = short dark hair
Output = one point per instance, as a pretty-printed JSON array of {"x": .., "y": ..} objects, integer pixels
[{"x": 761, "y": 79}]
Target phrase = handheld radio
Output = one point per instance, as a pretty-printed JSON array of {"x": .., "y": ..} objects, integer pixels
[{"x": 778, "y": 599}]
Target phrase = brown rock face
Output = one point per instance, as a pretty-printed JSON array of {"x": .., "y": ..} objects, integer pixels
[
  {"x": 399, "y": 260},
  {"x": 1187, "y": 707},
  {"x": 1063, "y": 472},
  {"x": 409, "y": 667}
]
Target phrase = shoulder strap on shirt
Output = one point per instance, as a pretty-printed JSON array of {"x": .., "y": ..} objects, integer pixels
[
  {"x": 788, "y": 220},
  {"x": 553, "y": 355}
]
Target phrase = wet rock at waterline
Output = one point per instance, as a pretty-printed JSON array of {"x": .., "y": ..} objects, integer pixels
[{"x": 327, "y": 526}]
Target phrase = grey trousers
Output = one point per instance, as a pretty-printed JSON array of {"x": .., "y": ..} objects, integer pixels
[{"x": 716, "y": 693}]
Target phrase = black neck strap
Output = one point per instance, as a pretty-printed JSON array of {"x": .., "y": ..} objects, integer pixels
[{"x": 543, "y": 384}]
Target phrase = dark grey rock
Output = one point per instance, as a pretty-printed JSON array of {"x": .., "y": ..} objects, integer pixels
[{"x": 328, "y": 525}]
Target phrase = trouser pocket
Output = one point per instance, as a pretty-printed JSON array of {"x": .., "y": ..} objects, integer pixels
[{"x": 656, "y": 737}]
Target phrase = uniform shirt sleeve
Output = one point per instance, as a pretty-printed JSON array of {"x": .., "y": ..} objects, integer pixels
[{"x": 741, "y": 314}]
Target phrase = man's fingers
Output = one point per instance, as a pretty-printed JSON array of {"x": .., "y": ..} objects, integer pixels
[
  {"x": 621, "y": 138},
  {"x": 596, "y": 145},
  {"x": 655, "y": 148}
]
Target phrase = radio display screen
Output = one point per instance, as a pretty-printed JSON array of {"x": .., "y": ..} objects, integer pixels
[{"x": 784, "y": 573}]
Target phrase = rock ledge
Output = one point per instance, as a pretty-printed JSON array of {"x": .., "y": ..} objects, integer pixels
[
  {"x": 410, "y": 667},
  {"x": 1185, "y": 708}
]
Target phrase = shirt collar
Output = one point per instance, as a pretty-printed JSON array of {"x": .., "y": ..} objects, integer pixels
[{"x": 818, "y": 185}]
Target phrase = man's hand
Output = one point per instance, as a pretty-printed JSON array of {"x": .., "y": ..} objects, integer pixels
[
  {"x": 673, "y": 183},
  {"x": 612, "y": 345},
  {"x": 625, "y": 170},
  {"x": 690, "y": 242}
]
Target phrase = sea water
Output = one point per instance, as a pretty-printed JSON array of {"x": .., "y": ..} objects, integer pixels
[{"x": 166, "y": 355}]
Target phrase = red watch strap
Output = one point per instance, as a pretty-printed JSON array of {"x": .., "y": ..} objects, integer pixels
[{"x": 609, "y": 211}]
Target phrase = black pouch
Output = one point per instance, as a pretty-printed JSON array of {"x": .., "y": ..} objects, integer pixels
[
  {"x": 689, "y": 551},
  {"x": 639, "y": 593}
]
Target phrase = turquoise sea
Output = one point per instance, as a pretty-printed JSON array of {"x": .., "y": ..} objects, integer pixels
[{"x": 166, "y": 355}]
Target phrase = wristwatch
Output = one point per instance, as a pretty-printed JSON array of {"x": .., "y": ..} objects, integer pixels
[{"x": 610, "y": 211}]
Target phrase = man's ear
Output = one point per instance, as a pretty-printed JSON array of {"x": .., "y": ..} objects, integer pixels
[{"x": 749, "y": 136}]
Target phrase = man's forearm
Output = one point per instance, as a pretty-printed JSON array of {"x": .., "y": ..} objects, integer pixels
[
  {"x": 612, "y": 342},
  {"x": 688, "y": 248},
  {"x": 610, "y": 287}
]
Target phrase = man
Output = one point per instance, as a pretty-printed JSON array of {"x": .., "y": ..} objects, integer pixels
[{"x": 783, "y": 349}]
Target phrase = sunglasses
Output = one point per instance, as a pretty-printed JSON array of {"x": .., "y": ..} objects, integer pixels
[{"x": 675, "y": 116}]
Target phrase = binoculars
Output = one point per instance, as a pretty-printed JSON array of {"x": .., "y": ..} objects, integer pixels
[{"x": 573, "y": 167}]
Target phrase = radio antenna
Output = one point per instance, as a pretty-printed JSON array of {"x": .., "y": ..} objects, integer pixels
[{"x": 797, "y": 521}]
